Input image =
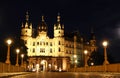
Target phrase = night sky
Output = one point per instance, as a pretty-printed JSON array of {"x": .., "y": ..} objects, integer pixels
[{"x": 76, "y": 15}]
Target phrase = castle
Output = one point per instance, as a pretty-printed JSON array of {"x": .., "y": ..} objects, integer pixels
[{"x": 59, "y": 53}]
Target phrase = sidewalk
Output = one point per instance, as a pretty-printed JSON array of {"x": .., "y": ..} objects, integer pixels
[{"x": 12, "y": 74}]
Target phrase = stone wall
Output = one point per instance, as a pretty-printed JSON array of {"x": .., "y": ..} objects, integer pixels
[
  {"x": 100, "y": 68},
  {"x": 10, "y": 68}
]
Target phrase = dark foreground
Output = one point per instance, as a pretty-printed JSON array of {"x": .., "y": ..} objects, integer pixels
[{"x": 67, "y": 75}]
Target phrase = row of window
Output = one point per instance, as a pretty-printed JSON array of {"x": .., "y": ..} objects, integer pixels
[
  {"x": 69, "y": 52},
  {"x": 42, "y": 50},
  {"x": 44, "y": 43},
  {"x": 59, "y": 43},
  {"x": 72, "y": 46}
]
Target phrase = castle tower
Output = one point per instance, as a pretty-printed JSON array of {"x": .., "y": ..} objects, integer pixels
[
  {"x": 26, "y": 29},
  {"x": 42, "y": 28},
  {"x": 93, "y": 46},
  {"x": 59, "y": 37},
  {"x": 58, "y": 28}
]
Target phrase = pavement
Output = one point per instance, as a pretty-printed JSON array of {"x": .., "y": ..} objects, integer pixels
[
  {"x": 104, "y": 74},
  {"x": 6, "y": 75}
]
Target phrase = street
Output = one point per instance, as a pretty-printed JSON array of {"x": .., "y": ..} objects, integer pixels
[{"x": 66, "y": 75}]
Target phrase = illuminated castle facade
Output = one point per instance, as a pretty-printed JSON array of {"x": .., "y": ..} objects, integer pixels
[{"x": 51, "y": 54}]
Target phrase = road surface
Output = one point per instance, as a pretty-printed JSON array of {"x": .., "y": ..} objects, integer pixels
[{"x": 67, "y": 75}]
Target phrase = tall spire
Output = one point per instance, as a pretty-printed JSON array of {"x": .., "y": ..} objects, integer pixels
[
  {"x": 42, "y": 18},
  {"x": 92, "y": 30},
  {"x": 22, "y": 25},
  {"x": 92, "y": 33},
  {"x": 58, "y": 17},
  {"x": 27, "y": 16}
]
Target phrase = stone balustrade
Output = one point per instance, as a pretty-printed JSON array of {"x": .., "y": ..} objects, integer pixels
[
  {"x": 10, "y": 68},
  {"x": 99, "y": 68}
]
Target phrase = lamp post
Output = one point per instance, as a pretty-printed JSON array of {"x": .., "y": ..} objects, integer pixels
[
  {"x": 22, "y": 56},
  {"x": 17, "y": 51},
  {"x": 9, "y": 41},
  {"x": 105, "y": 43},
  {"x": 85, "y": 52},
  {"x": 75, "y": 61}
]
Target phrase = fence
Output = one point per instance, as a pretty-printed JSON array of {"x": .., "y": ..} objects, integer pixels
[
  {"x": 100, "y": 68},
  {"x": 10, "y": 68}
]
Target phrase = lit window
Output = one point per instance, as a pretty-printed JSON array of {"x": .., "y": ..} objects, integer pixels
[
  {"x": 66, "y": 51},
  {"x": 25, "y": 41},
  {"x": 40, "y": 43},
  {"x": 33, "y": 50},
  {"x": 66, "y": 45},
  {"x": 42, "y": 50},
  {"x": 33, "y": 43},
  {"x": 46, "y": 43},
  {"x": 50, "y": 43},
  {"x": 59, "y": 42},
  {"x": 59, "y": 49},
  {"x": 37, "y": 43},
  {"x": 43, "y": 43},
  {"x": 26, "y": 31},
  {"x": 51, "y": 50}
]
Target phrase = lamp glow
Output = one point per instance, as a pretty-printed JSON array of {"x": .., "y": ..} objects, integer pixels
[{"x": 105, "y": 43}]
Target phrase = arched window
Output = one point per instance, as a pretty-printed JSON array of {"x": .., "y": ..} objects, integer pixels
[
  {"x": 33, "y": 50},
  {"x": 50, "y": 50},
  {"x": 59, "y": 49},
  {"x": 59, "y": 43},
  {"x": 59, "y": 32}
]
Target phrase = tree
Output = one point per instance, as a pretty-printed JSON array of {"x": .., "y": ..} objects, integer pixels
[
  {"x": 96, "y": 58},
  {"x": 18, "y": 43}
]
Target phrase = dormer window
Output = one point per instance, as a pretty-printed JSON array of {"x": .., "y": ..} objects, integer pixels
[{"x": 59, "y": 32}]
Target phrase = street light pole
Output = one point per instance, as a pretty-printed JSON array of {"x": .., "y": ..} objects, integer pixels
[
  {"x": 105, "y": 43},
  {"x": 9, "y": 41},
  {"x": 17, "y": 51},
  {"x": 75, "y": 62},
  {"x": 22, "y": 56},
  {"x": 85, "y": 52}
]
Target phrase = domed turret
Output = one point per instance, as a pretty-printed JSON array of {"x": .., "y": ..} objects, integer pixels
[
  {"x": 42, "y": 27},
  {"x": 26, "y": 27}
]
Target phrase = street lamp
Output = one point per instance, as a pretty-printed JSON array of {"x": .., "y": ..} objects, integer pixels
[
  {"x": 17, "y": 51},
  {"x": 75, "y": 56},
  {"x": 22, "y": 56},
  {"x": 75, "y": 61},
  {"x": 105, "y": 43},
  {"x": 92, "y": 63},
  {"x": 9, "y": 41},
  {"x": 86, "y": 52}
]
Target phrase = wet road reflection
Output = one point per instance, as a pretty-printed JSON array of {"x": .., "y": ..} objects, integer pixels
[{"x": 66, "y": 75}]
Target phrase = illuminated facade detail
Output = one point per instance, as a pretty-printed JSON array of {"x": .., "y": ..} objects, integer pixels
[{"x": 50, "y": 54}]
